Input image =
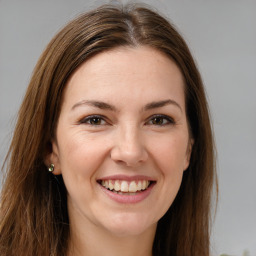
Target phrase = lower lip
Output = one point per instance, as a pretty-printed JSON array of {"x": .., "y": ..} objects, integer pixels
[{"x": 128, "y": 199}]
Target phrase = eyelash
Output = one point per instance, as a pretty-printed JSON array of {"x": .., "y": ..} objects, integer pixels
[
  {"x": 168, "y": 120},
  {"x": 164, "y": 120},
  {"x": 88, "y": 120}
]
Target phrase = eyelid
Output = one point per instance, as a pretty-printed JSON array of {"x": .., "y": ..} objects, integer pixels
[
  {"x": 170, "y": 120},
  {"x": 84, "y": 120}
]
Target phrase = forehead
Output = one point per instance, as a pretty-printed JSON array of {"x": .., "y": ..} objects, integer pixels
[
  {"x": 138, "y": 72},
  {"x": 125, "y": 60}
]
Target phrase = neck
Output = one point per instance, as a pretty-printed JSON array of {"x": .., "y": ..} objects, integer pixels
[{"x": 91, "y": 240}]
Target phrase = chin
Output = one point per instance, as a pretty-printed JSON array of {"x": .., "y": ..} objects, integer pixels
[{"x": 123, "y": 225}]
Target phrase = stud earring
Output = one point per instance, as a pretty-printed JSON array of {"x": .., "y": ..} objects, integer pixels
[{"x": 51, "y": 168}]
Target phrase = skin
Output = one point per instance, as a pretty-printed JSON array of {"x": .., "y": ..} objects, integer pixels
[{"x": 125, "y": 139}]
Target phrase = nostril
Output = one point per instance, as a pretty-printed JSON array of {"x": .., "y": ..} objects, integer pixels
[{"x": 130, "y": 157}]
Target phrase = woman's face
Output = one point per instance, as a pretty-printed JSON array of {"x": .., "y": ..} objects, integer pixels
[{"x": 122, "y": 140}]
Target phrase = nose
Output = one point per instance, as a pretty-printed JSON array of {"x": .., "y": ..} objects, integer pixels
[{"x": 129, "y": 147}]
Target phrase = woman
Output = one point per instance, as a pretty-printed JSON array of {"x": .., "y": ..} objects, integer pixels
[{"x": 113, "y": 150}]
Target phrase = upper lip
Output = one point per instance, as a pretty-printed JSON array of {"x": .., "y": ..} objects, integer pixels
[{"x": 127, "y": 178}]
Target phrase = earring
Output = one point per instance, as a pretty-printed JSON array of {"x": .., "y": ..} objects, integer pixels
[{"x": 51, "y": 168}]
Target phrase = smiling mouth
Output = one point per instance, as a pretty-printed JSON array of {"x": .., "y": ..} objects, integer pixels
[{"x": 123, "y": 187}]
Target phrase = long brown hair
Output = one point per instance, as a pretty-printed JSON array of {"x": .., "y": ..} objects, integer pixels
[{"x": 34, "y": 217}]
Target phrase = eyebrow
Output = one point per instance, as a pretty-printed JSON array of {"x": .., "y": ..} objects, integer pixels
[
  {"x": 94, "y": 103},
  {"x": 162, "y": 103},
  {"x": 103, "y": 105}
]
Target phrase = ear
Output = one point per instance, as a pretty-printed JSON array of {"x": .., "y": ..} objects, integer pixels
[
  {"x": 53, "y": 158},
  {"x": 188, "y": 154}
]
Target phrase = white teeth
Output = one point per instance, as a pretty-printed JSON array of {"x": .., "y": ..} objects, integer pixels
[
  {"x": 125, "y": 186},
  {"x": 139, "y": 186},
  {"x": 110, "y": 185},
  {"x": 116, "y": 186},
  {"x": 133, "y": 187},
  {"x": 144, "y": 184}
]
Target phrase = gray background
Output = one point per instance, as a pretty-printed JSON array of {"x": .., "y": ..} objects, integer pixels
[{"x": 222, "y": 37}]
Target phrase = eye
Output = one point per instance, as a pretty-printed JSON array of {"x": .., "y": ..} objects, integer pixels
[
  {"x": 93, "y": 120},
  {"x": 160, "y": 120}
]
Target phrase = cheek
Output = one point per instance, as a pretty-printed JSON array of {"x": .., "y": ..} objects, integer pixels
[
  {"x": 170, "y": 153},
  {"x": 79, "y": 156},
  {"x": 169, "y": 156}
]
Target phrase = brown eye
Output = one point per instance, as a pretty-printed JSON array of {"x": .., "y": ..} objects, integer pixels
[
  {"x": 157, "y": 121},
  {"x": 160, "y": 120},
  {"x": 93, "y": 120}
]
